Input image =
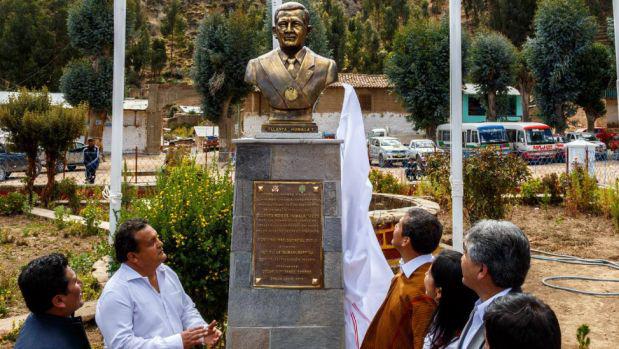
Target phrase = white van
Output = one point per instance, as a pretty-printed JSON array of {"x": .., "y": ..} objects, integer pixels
[
  {"x": 533, "y": 141},
  {"x": 474, "y": 136}
]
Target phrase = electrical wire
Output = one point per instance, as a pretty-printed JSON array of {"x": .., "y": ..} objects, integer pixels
[{"x": 560, "y": 258}]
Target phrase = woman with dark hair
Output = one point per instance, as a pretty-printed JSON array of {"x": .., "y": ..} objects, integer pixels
[{"x": 455, "y": 301}]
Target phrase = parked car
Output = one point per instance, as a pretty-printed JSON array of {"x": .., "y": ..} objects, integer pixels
[
  {"x": 377, "y": 132},
  {"x": 600, "y": 147},
  {"x": 210, "y": 143},
  {"x": 419, "y": 148},
  {"x": 13, "y": 162},
  {"x": 74, "y": 157},
  {"x": 601, "y": 133},
  {"x": 387, "y": 150},
  {"x": 613, "y": 144}
]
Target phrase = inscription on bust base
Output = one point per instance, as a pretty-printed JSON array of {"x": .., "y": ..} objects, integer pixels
[{"x": 287, "y": 238}]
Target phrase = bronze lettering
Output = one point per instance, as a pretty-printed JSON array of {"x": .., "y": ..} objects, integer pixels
[{"x": 287, "y": 234}]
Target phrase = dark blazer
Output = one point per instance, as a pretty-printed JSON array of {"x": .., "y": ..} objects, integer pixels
[
  {"x": 42, "y": 331},
  {"x": 479, "y": 339},
  {"x": 270, "y": 75}
]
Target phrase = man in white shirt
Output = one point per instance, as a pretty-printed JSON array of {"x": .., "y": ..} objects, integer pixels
[
  {"x": 495, "y": 262},
  {"x": 144, "y": 305}
]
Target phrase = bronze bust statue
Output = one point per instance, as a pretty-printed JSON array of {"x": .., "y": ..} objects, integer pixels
[{"x": 291, "y": 77}]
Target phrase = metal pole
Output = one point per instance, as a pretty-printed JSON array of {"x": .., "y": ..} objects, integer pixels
[
  {"x": 455, "y": 88},
  {"x": 616, "y": 27},
  {"x": 135, "y": 175},
  {"x": 274, "y": 5},
  {"x": 120, "y": 12}
]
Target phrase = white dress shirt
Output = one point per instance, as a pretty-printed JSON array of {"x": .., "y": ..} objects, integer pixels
[
  {"x": 409, "y": 267},
  {"x": 131, "y": 314},
  {"x": 478, "y": 316}
]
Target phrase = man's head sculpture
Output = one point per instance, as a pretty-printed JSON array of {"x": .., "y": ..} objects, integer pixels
[{"x": 291, "y": 77}]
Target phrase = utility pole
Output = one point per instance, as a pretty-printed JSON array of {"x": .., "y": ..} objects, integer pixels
[
  {"x": 455, "y": 112},
  {"x": 118, "y": 96}
]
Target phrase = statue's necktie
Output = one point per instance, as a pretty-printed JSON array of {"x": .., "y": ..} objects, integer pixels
[{"x": 291, "y": 67}]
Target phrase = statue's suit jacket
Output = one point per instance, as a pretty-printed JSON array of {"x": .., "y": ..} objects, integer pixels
[{"x": 273, "y": 79}]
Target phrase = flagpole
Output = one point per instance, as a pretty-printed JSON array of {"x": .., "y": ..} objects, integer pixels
[
  {"x": 455, "y": 91},
  {"x": 118, "y": 95},
  {"x": 616, "y": 27},
  {"x": 274, "y": 5}
]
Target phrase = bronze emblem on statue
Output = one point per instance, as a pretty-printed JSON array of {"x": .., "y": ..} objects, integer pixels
[{"x": 291, "y": 77}]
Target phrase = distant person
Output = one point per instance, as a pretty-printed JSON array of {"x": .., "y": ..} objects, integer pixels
[
  {"x": 52, "y": 292},
  {"x": 495, "y": 262},
  {"x": 91, "y": 160},
  {"x": 521, "y": 321},
  {"x": 455, "y": 301},
  {"x": 403, "y": 318},
  {"x": 143, "y": 305}
]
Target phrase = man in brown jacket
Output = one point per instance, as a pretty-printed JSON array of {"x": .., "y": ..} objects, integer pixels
[{"x": 403, "y": 318}]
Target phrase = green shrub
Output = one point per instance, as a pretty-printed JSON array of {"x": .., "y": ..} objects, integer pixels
[
  {"x": 386, "y": 183},
  {"x": 530, "y": 190},
  {"x": 192, "y": 212},
  {"x": 491, "y": 181},
  {"x": 93, "y": 215},
  {"x": 8, "y": 292},
  {"x": 60, "y": 214},
  {"x": 582, "y": 336},
  {"x": 581, "y": 194},
  {"x": 14, "y": 203},
  {"x": 608, "y": 199},
  {"x": 552, "y": 187},
  {"x": 66, "y": 189}
]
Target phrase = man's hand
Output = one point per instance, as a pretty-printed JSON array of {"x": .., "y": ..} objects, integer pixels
[
  {"x": 193, "y": 336},
  {"x": 213, "y": 334}
]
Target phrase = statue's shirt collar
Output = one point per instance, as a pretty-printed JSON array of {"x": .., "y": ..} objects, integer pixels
[{"x": 298, "y": 56}]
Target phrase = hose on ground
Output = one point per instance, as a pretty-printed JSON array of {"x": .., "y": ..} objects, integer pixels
[{"x": 560, "y": 258}]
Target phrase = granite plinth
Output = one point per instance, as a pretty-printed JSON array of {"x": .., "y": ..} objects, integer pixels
[{"x": 283, "y": 318}]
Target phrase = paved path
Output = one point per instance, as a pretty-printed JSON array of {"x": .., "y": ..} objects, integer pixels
[
  {"x": 45, "y": 213},
  {"x": 87, "y": 312}
]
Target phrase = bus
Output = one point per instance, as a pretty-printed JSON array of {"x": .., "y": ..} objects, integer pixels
[
  {"x": 475, "y": 136},
  {"x": 533, "y": 141}
]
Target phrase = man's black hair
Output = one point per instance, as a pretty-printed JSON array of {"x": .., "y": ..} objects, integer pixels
[
  {"x": 424, "y": 230},
  {"x": 42, "y": 279},
  {"x": 124, "y": 240},
  {"x": 521, "y": 321}
]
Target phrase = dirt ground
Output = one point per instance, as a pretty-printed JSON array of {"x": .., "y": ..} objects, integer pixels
[
  {"x": 551, "y": 230},
  {"x": 548, "y": 230}
]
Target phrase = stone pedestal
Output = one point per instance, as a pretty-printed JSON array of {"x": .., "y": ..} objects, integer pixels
[{"x": 277, "y": 317}]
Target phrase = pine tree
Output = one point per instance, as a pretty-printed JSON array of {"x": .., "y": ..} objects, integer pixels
[{"x": 90, "y": 26}]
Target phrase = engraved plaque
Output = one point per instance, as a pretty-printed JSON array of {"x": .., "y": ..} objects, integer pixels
[{"x": 287, "y": 237}]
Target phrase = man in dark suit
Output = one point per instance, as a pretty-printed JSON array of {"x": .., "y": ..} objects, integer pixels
[
  {"x": 495, "y": 262},
  {"x": 291, "y": 77},
  {"x": 52, "y": 292}
]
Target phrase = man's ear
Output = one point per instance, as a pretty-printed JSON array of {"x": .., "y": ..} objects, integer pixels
[
  {"x": 309, "y": 28},
  {"x": 274, "y": 30},
  {"x": 406, "y": 241},
  {"x": 439, "y": 294},
  {"x": 483, "y": 271},
  {"x": 58, "y": 301},
  {"x": 132, "y": 257}
]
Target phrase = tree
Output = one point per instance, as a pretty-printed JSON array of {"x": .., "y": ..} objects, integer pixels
[
  {"x": 594, "y": 71},
  {"x": 158, "y": 57},
  {"x": 33, "y": 46},
  {"x": 419, "y": 69},
  {"x": 89, "y": 80},
  {"x": 372, "y": 57},
  {"x": 512, "y": 18},
  {"x": 16, "y": 117},
  {"x": 353, "y": 45},
  {"x": 224, "y": 46},
  {"x": 173, "y": 27},
  {"x": 138, "y": 44},
  {"x": 58, "y": 127},
  {"x": 563, "y": 31},
  {"x": 492, "y": 64},
  {"x": 524, "y": 82},
  {"x": 335, "y": 22}
]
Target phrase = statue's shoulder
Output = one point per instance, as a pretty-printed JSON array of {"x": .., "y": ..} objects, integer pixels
[
  {"x": 268, "y": 55},
  {"x": 321, "y": 60}
]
